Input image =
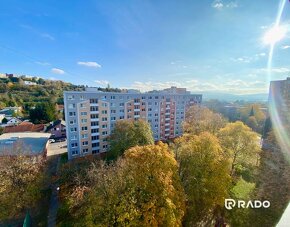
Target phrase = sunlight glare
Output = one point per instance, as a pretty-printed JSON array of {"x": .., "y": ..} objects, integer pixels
[{"x": 274, "y": 35}]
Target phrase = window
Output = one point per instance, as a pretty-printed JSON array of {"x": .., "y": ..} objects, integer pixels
[
  {"x": 113, "y": 111},
  {"x": 104, "y": 111},
  {"x": 95, "y": 144},
  {"x": 84, "y": 121},
  {"x": 85, "y": 143},
  {"x": 95, "y": 151},
  {"x": 121, "y": 104},
  {"x": 72, "y": 122},
  {"x": 72, "y": 114},
  {"x": 84, "y": 113},
  {"x": 121, "y": 117},
  {"x": 113, "y": 118},
  {"x": 156, "y": 97},
  {"x": 104, "y": 119},
  {"x": 71, "y": 105},
  {"x": 84, "y": 136},
  {"x": 73, "y": 137},
  {"x": 74, "y": 152},
  {"x": 94, "y": 116},
  {"x": 95, "y": 137},
  {"x": 95, "y": 130},
  {"x": 113, "y": 97},
  {"x": 104, "y": 126},
  {"x": 73, "y": 129},
  {"x": 82, "y": 105},
  {"x": 85, "y": 128},
  {"x": 93, "y": 100},
  {"x": 82, "y": 97},
  {"x": 122, "y": 111},
  {"x": 74, "y": 145},
  {"x": 85, "y": 150},
  {"x": 94, "y": 108},
  {"x": 70, "y": 97},
  {"x": 104, "y": 104},
  {"x": 104, "y": 133},
  {"x": 94, "y": 123}
]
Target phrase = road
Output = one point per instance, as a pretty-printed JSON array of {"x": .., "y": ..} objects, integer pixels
[
  {"x": 56, "y": 148},
  {"x": 54, "y": 151}
]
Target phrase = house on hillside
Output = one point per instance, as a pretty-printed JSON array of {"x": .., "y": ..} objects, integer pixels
[
  {"x": 13, "y": 121},
  {"x": 9, "y": 111},
  {"x": 57, "y": 129}
]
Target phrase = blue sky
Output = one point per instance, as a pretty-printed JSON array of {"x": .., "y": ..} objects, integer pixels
[{"x": 208, "y": 45}]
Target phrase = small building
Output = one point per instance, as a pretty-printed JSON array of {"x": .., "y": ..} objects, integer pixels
[
  {"x": 27, "y": 143},
  {"x": 13, "y": 121},
  {"x": 57, "y": 129},
  {"x": 26, "y": 82},
  {"x": 9, "y": 111}
]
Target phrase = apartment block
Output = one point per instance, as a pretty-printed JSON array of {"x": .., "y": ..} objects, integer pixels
[
  {"x": 91, "y": 115},
  {"x": 279, "y": 105}
]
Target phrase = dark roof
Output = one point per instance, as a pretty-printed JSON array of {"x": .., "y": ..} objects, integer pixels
[{"x": 55, "y": 123}]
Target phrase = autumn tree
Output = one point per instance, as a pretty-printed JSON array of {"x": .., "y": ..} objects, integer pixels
[
  {"x": 200, "y": 119},
  {"x": 21, "y": 180},
  {"x": 240, "y": 144},
  {"x": 140, "y": 189},
  {"x": 129, "y": 133},
  {"x": 253, "y": 116},
  {"x": 204, "y": 172}
]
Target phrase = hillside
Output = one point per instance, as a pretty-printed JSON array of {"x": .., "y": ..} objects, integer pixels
[{"x": 27, "y": 92}]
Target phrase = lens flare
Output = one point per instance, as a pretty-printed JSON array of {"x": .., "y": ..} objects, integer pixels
[
  {"x": 279, "y": 114},
  {"x": 274, "y": 35}
]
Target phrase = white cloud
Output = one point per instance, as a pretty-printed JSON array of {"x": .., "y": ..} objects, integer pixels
[
  {"x": 57, "y": 71},
  {"x": 42, "y": 63},
  {"x": 220, "y": 4},
  {"x": 102, "y": 82},
  {"x": 273, "y": 70},
  {"x": 47, "y": 36},
  {"x": 217, "y": 4},
  {"x": 89, "y": 64},
  {"x": 285, "y": 47},
  {"x": 232, "y": 5},
  {"x": 248, "y": 59},
  {"x": 237, "y": 86}
]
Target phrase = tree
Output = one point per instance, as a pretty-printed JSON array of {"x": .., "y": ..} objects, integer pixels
[
  {"x": 240, "y": 143},
  {"x": 129, "y": 133},
  {"x": 204, "y": 172},
  {"x": 4, "y": 120},
  {"x": 140, "y": 189},
  {"x": 201, "y": 119},
  {"x": 43, "y": 113},
  {"x": 1, "y": 130},
  {"x": 21, "y": 181}
]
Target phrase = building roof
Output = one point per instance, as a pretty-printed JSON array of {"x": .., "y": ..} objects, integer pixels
[
  {"x": 32, "y": 143},
  {"x": 55, "y": 123},
  {"x": 24, "y": 127}
]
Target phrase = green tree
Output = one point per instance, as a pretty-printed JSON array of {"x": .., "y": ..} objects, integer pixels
[
  {"x": 129, "y": 133},
  {"x": 43, "y": 113},
  {"x": 200, "y": 119},
  {"x": 204, "y": 172},
  {"x": 4, "y": 120},
  {"x": 240, "y": 143}
]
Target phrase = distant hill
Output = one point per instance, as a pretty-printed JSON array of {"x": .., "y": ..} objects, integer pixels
[{"x": 232, "y": 97}]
